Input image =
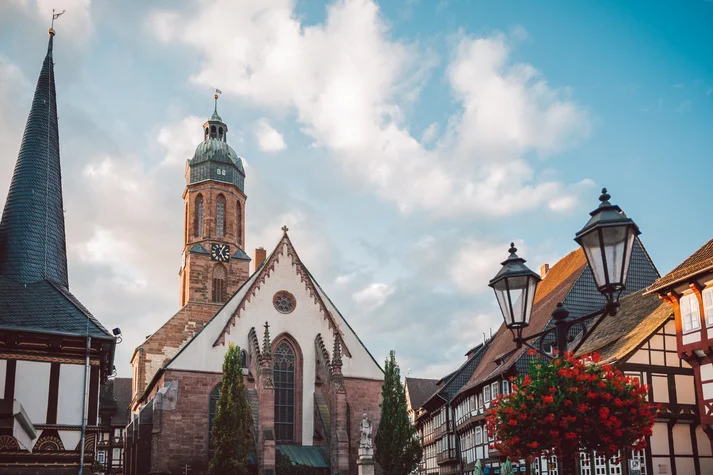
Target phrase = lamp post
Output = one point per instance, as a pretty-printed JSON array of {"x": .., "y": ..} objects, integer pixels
[{"x": 607, "y": 240}]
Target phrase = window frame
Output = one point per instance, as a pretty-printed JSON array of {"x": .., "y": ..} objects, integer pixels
[
  {"x": 708, "y": 308},
  {"x": 690, "y": 302}
]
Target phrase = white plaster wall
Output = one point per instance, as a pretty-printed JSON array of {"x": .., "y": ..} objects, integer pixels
[
  {"x": 685, "y": 389},
  {"x": 71, "y": 392},
  {"x": 3, "y": 373},
  {"x": 32, "y": 387},
  {"x": 303, "y": 324}
]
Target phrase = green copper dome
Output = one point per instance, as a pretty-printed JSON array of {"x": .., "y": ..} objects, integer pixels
[{"x": 214, "y": 159}]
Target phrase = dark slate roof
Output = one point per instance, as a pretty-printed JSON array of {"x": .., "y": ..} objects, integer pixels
[
  {"x": 698, "y": 262},
  {"x": 240, "y": 254},
  {"x": 639, "y": 316},
  {"x": 45, "y": 307},
  {"x": 197, "y": 248},
  {"x": 419, "y": 389},
  {"x": 32, "y": 239},
  {"x": 449, "y": 386},
  {"x": 116, "y": 395}
]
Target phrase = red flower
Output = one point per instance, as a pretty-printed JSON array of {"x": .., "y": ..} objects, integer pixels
[
  {"x": 512, "y": 422},
  {"x": 533, "y": 444},
  {"x": 570, "y": 435},
  {"x": 549, "y": 399}
]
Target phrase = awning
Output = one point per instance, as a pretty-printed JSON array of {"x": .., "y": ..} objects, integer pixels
[{"x": 308, "y": 455}]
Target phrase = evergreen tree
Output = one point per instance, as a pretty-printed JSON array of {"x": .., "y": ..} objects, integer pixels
[
  {"x": 231, "y": 439},
  {"x": 398, "y": 449}
]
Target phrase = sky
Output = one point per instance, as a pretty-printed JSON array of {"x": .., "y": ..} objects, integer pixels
[{"x": 405, "y": 143}]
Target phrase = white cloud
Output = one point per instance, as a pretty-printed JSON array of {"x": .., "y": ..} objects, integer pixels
[
  {"x": 346, "y": 81},
  {"x": 373, "y": 296},
  {"x": 476, "y": 262},
  {"x": 180, "y": 140},
  {"x": 268, "y": 139},
  {"x": 430, "y": 134}
]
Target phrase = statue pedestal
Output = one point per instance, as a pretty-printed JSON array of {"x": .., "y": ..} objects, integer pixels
[{"x": 366, "y": 464}]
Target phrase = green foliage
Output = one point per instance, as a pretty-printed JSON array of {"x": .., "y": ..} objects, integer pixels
[
  {"x": 231, "y": 439},
  {"x": 398, "y": 449}
]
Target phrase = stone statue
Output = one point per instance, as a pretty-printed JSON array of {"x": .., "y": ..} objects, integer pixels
[
  {"x": 366, "y": 448},
  {"x": 365, "y": 427}
]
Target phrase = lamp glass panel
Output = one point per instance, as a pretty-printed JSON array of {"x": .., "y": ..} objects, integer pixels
[
  {"x": 501, "y": 294},
  {"x": 614, "y": 242},
  {"x": 590, "y": 244},
  {"x": 532, "y": 288}
]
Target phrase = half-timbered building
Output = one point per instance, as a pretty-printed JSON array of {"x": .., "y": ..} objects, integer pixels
[
  {"x": 53, "y": 353},
  {"x": 641, "y": 342},
  {"x": 688, "y": 290}
]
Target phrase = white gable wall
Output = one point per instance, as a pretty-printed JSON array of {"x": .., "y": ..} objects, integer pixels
[{"x": 303, "y": 324}]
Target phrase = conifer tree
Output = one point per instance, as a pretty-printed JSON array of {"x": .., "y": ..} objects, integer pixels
[
  {"x": 231, "y": 439},
  {"x": 398, "y": 449}
]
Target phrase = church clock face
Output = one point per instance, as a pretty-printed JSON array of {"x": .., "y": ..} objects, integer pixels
[{"x": 220, "y": 252}]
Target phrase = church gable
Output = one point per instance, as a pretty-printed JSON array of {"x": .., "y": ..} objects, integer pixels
[{"x": 283, "y": 293}]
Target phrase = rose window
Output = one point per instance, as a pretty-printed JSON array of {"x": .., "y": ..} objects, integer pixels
[{"x": 284, "y": 301}]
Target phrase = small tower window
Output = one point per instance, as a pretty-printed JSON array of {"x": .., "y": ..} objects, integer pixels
[
  {"x": 219, "y": 287},
  {"x": 220, "y": 217},
  {"x": 206, "y": 133},
  {"x": 212, "y": 131},
  {"x": 198, "y": 217},
  {"x": 220, "y": 133},
  {"x": 239, "y": 223}
]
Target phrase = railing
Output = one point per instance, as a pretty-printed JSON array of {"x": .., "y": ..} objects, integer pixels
[{"x": 447, "y": 456}]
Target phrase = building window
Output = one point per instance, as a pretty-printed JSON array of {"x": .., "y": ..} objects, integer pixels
[
  {"x": 708, "y": 306},
  {"x": 219, "y": 288},
  {"x": 117, "y": 432},
  {"x": 239, "y": 225},
  {"x": 478, "y": 436},
  {"x": 486, "y": 395},
  {"x": 116, "y": 455},
  {"x": 284, "y": 301},
  {"x": 690, "y": 313},
  {"x": 284, "y": 378},
  {"x": 101, "y": 457},
  {"x": 198, "y": 217},
  {"x": 243, "y": 359},
  {"x": 506, "y": 387},
  {"x": 494, "y": 388},
  {"x": 220, "y": 216},
  {"x": 212, "y": 412}
]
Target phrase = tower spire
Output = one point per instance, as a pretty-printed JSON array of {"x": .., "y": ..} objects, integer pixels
[{"x": 32, "y": 238}]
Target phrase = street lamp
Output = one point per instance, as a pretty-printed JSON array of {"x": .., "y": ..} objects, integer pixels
[{"x": 607, "y": 240}]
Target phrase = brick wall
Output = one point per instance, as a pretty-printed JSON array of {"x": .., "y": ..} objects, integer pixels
[
  {"x": 363, "y": 396},
  {"x": 184, "y": 431}
]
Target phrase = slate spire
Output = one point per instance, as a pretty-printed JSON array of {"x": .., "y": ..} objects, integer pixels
[{"x": 32, "y": 239}]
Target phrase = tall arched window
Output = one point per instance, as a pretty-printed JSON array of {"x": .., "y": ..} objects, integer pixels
[
  {"x": 219, "y": 286},
  {"x": 239, "y": 223},
  {"x": 212, "y": 412},
  {"x": 198, "y": 217},
  {"x": 220, "y": 216},
  {"x": 284, "y": 378}
]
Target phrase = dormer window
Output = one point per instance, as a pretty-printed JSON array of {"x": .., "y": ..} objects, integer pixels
[{"x": 690, "y": 313}]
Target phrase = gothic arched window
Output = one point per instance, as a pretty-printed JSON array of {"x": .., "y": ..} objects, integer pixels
[
  {"x": 243, "y": 359},
  {"x": 219, "y": 286},
  {"x": 212, "y": 412},
  {"x": 198, "y": 217},
  {"x": 220, "y": 216},
  {"x": 239, "y": 223},
  {"x": 212, "y": 131},
  {"x": 284, "y": 378}
]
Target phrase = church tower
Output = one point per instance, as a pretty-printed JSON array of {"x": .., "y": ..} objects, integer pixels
[{"x": 214, "y": 263}]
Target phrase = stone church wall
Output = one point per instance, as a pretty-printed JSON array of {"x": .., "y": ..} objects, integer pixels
[
  {"x": 363, "y": 396},
  {"x": 182, "y": 433}
]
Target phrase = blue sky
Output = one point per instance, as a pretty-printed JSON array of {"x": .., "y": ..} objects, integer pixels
[{"x": 404, "y": 143}]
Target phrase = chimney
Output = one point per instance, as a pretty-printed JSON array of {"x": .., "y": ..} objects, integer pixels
[
  {"x": 260, "y": 256},
  {"x": 544, "y": 269}
]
